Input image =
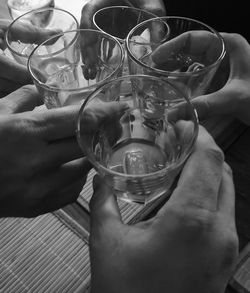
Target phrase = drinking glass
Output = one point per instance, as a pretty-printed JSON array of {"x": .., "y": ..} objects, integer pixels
[
  {"x": 19, "y": 7},
  {"x": 187, "y": 54},
  {"x": 34, "y": 27},
  {"x": 118, "y": 21},
  {"x": 137, "y": 131},
  {"x": 68, "y": 66}
]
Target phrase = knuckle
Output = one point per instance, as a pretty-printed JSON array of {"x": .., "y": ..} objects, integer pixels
[
  {"x": 215, "y": 154},
  {"x": 233, "y": 40},
  {"x": 195, "y": 220},
  {"x": 236, "y": 37},
  {"x": 28, "y": 88}
]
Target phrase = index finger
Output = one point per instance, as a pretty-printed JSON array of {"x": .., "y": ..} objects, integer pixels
[
  {"x": 24, "y": 99},
  {"x": 192, "y": 42},
  {"x": 29, "y": 33},
  {"x": 56, "y": 123},
  {"x": 11, "y": 70},
  {"x": 98, "y": 113}
]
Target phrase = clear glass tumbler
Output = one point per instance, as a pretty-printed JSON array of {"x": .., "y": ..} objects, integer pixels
[
  {"x": 34, "y": 27},
  {"x": 188, "y": 54},
  {"x": 137, "y": 131},
  {"x": 118, "y": 21},
  {"x": 69, "y": 66}
]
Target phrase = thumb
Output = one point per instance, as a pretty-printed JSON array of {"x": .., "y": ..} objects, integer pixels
[
  {"x": 222, "y": 102},
  {"x": 104, "y": 210}
]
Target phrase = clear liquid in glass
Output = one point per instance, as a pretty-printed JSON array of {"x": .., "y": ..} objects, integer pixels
[
  {"x": 159, "y": 149},
  {"x": 67, "y": 82}
]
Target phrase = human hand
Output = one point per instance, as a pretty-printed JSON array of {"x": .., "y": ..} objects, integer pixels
[
  {"x": 90, "y": 45},
  {"x": 189, "y": 246},
  {"x": 90, "y": 8},
  {"x": 43, "y": 169},
  {"x": 24, "y": 31},
  {"x": 14, "y": 75},
  {"x": 233, "y": 94}
]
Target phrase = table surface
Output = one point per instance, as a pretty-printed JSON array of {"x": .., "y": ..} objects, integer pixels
[{"x": 237, "y": 155}]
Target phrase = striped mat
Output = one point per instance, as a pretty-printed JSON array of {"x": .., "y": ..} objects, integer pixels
[
  {"x": 49, "y": 253},
  {"x": 41, "y": 255}
]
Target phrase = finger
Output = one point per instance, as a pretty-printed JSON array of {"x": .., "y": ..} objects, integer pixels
[
  {"x": 222, "y": 102},
  {"x": 30, "y": 34},
  {"x": 2, "y": 43},
  {"x": 8, "y": 86},
  {"x": 194, "y": 42},
  {"x": 156, "y": 7},
  {"x": 61, "y": 152},
  {"x": 66, "y": 175},
  {"x": 96, "y": 114},
  {"x": 57, "y": 123},
  {"x": 238, "y": 49},
  {"x": 24, "y": 99},
  {"x": 59, "y": 199},
  {"x": 4, "y": 24},
  {"x": 104, "y": 210},
  {"x": 11, "y": 70},
  {"x": 200, "y": 179},
  {"x": 226, "y": 200}
]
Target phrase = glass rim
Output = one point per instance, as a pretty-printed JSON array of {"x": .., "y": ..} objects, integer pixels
[
  {"x": 121, "y": 7},
  {"x": 72, "y": 90},
  {"x": 99, "y": 166},
  {"x": 29, "y": 12},
  {"x": 171, "y": 73}
]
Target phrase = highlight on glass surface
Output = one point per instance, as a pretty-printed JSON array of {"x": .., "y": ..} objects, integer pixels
[
  {"x": 118, "y": 21},
  {"x": 34, "y": 27},
  {"x": 19, "y": 7},
  {"x": 137, "y": 131},
  {"x": 188, "y": 55},
  {"x": 69, "y": 66}
]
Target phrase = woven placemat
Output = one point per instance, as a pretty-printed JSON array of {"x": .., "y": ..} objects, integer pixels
[{"x": 42, "y": 255}]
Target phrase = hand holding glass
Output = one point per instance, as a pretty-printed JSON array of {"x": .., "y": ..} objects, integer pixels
[
  {"x": 137, "y": 131},
  {"x": 68, "y": 66},
  {"x": 34, "y": 27},
  {"x": 188, "y": 54},
  {"x": 117, "y": 21}
]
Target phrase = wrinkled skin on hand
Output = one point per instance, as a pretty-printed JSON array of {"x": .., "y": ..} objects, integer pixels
[
  {"x": 189, "y": 246},
  {"x": 42, "y": 165},
  {"x": 233, "y": 92}
]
